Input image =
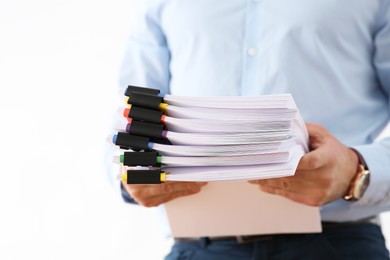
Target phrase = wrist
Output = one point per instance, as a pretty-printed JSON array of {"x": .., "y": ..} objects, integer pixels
[{"x": 360, "y": 180}]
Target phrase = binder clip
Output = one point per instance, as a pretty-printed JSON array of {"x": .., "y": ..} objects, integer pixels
[
  {"x": 145, "y": 129},
  {"x": 144, "y": 114},
  {"x": 140, "y": 159},
  {"x": 131, "y": 89},
  {"x": 128, "y": 141},
  {"x": 155, "y": 176}
]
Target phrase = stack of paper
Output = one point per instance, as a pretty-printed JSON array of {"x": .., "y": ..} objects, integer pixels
[
  {"x": 224, "y": 141},
  {"x": 213, "y": 138}
]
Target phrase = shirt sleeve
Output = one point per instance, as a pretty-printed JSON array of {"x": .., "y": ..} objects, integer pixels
[
  {"x": 126, "y": 196},
  {"x": 146, "y": 57},
  {"x": 377, "y": 155}
]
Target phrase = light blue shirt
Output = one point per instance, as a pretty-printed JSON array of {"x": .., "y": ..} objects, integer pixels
[{"x": 332, "y": 56}]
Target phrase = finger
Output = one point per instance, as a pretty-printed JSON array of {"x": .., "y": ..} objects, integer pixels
[
  {"x": 313, "y": 160},
  {"x": 294, "y": 196},
  {"x": 291, "y": 184},
  {"x": 158, "y": 200},
  {"x": 199, "y": 183},
  {"x": 139, "y": 191},
  {"x": 301, "y": 176},
  {"x": 310, "y": 192},
  {"x": 171, "y": 187},
  {"x": 317, "y": 134},
  {"x": 277, "y": 183}
]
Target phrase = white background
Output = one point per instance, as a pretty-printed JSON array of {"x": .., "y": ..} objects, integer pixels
[{"x": 58, "y": 91}]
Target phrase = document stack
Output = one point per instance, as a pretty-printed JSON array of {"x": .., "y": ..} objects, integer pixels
[{"x": 222, "y": 138}]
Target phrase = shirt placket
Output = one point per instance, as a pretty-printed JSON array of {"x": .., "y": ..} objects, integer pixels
[{"x": 251, "y": 49}]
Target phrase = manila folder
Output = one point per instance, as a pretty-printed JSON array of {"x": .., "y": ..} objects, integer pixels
[{"x": 238, "y": 208}]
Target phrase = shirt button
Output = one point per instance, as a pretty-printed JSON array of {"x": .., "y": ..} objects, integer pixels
[{"x": 252, "y": 51}]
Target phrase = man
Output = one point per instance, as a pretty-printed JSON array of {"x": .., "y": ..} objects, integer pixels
[{"x": 332, "y": 56}]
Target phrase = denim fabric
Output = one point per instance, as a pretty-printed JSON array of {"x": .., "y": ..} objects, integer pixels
[{"x": 359, "y": 241}]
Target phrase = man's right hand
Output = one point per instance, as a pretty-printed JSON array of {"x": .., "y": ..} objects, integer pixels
[{"x": 151, "y": 195}]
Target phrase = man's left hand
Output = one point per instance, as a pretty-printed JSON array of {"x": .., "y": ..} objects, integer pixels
[{"x": 323, "y": 175}]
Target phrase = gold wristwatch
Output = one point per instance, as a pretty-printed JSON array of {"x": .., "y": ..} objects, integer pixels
[{"x": 359, "y": 182}]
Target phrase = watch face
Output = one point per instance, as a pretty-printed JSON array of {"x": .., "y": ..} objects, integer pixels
[{"x": 361, "y": 184}]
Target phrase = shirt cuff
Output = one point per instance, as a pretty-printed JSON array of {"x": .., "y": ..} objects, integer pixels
[
  {"x": 126, "y": 196},
  {"x": 377, "y": 158}
]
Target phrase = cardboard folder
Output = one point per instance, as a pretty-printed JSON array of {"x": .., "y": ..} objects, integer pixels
[{"x": 238, "y": 208}]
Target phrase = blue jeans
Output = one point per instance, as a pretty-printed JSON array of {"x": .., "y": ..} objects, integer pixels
[{"x": 358, "y": 241}]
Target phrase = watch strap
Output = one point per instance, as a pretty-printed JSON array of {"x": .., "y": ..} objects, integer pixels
[
  {"x": 362, "y": 172},
  {"x": 361, "y": 159}
]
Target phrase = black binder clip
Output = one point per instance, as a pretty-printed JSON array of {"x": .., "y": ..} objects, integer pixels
[
  {"x": 131, "y": 89},
  {"x": 144, "y": 114},
  {"x": 128, "y": 141},
  {"x": 140, "y": 159},
  {"x": 145, "y": 129},
  {"x": 145, "y": 100},
  {"x": 144, "y": 176}
]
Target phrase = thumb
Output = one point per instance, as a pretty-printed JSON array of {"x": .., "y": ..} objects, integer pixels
[
  {"x": 312, "y": 160},
  {"x": 317, "y": 134}
]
